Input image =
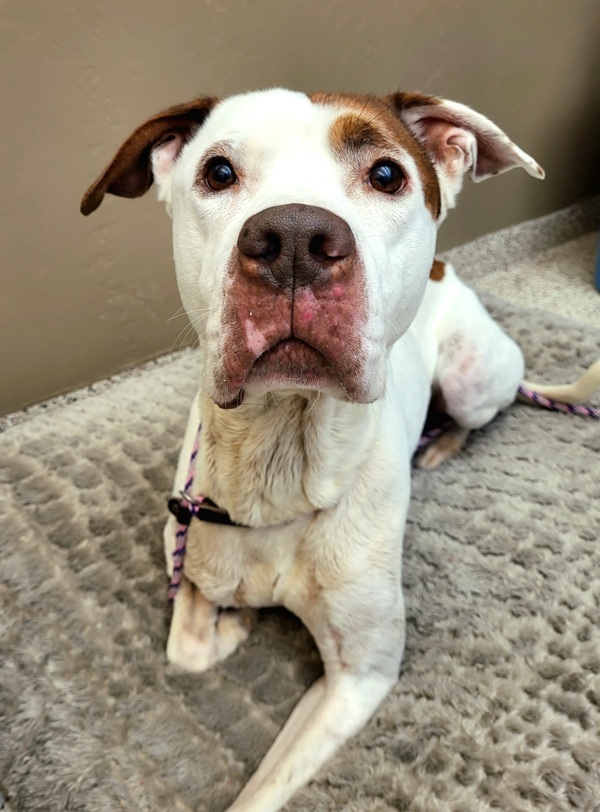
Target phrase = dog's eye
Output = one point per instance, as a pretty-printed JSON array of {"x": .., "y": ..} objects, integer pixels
[
  {"x": 386, "y": 176},
  {"x": 219, "y": 174}
]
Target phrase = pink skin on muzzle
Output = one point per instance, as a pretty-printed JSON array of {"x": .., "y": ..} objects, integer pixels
[{"x": 306, "y": 336}]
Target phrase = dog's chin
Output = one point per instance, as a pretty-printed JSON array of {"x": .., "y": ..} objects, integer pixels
[{"x": 293, "y": 365}]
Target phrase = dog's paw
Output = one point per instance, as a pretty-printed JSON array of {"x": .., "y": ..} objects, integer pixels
[
  {"x": 443, "y": 448},
  {"x": 233, "y": 628},
  {"x": 197, "y": 652}
]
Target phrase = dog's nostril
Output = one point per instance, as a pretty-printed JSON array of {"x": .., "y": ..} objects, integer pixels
[
  {"x": 323, "y": 247},
  {"x": 316, "y": 248},
  {"x": 272, "y": 246},
  {"x": 262, "y": 245},
  {"x": 332, "y": 244}
]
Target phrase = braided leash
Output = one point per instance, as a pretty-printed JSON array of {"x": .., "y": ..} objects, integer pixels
[
  {"x": 557, "y": 406},
  {"x": 194, "y": 504},
  {"x": 182, "y": 529}
]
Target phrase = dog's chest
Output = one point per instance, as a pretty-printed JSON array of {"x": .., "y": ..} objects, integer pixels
[
  {"x": 241, "y": 567},
  {"x": 254, "y": 467},
  {"x": 276, "y": 464},
  {"x": 275, "y": 473}
]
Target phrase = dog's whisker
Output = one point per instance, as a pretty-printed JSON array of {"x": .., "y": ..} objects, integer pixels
[
  {"x": 179, "y": 312},
  {"x": 369, "y": 97},
  {"x": 188, "y": 313},
  {"x": 314, "y": 403},
  {"x": 183, "y": 337},
  {"x": 275, "y": 400}
]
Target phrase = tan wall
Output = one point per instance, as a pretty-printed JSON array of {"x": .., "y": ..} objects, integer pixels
[{"x": 81, "y": 298}]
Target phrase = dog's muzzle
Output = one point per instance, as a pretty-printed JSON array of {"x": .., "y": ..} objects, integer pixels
[{"x": 295, "y": 311}]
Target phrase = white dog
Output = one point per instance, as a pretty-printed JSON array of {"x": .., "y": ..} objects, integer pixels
[{"x": 304, "y": 231}]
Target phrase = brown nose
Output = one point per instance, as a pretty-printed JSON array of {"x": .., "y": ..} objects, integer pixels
[{"x": 295, "y": 245}]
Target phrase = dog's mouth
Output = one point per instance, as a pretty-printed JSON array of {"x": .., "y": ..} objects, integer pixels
[{"x": 292, "y": 362}]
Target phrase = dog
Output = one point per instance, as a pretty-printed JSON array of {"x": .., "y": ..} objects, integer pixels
[{"x": 304, "y": 232}]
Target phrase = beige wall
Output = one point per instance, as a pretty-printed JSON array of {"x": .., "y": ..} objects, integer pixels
[{"x": 81, "y": 298}]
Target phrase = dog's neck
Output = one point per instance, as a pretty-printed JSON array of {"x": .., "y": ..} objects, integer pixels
[{"x": 283, "y": 457}]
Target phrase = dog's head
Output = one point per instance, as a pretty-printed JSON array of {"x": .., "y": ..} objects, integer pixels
[{"x": 304, "y": 227}]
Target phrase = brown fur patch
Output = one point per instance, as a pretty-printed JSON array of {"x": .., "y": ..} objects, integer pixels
[
  {"x": 338, "y": 642},
  {"x": 438, "y": 269},
  {"x": 443, "y": 448},
  {"x": 313, "y": 587},
  {"x": 404, "y": 101},
  {"x": 239, "y": 596},
  {"x": 382, "y": 116},
  {"x": 351, "y": 132}
]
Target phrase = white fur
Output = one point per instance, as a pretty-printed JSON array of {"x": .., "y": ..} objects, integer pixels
[{"x": 323, "y": 484}]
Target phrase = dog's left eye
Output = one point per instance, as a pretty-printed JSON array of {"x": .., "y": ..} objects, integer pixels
[
  {"x": 386, "y": 176},
  {"x": 219, "y": 174}
]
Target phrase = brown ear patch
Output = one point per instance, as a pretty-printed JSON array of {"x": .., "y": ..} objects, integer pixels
[
  {"x": 129, "y": 174},
  {"x": 438, "y": 269}
]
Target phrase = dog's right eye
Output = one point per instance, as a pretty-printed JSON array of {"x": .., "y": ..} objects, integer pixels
[{"x": 219, "y": 174}]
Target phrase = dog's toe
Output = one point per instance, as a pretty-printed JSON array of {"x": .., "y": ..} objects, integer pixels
[{"x": 443, "y": 448}]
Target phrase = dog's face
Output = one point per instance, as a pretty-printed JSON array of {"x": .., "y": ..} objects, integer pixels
[
  {"x": 304, "y": 233},
  {"x": 304, "y": 227}
]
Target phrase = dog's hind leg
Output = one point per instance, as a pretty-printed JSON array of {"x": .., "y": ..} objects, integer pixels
[
  {"x": 478, "y": 370},
  {"x": 443, "y": 448},
  {"x": 200, "y": 634}
]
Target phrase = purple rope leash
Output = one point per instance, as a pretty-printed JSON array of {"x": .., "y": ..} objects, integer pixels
[
  {"x": 428, "y": 437},
  {"x": 182, "y": 529},
  {"x": 557, "y": 406}
]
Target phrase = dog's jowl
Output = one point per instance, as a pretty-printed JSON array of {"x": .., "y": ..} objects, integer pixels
[{"x": 304, "y": 234}]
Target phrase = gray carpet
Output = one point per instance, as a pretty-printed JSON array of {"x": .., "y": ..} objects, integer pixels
[{"x": 498, "y": 703}]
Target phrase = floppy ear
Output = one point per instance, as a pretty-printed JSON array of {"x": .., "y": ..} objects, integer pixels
[
  {"x": 149, "y": 153},
  {"x": 459, "y": 141}
]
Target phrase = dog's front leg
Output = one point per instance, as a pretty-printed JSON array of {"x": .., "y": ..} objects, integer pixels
[
  {"x": 333, "y": 710},
  {"x": 200, "y": 634}
]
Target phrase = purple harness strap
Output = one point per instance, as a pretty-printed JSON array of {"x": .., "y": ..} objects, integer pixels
[{"x": 193, "y": 505}]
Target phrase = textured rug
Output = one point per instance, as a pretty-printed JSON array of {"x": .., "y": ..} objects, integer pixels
[
  {"x": 498, "y": 703},
  {"x": 559, "y": 279}
]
